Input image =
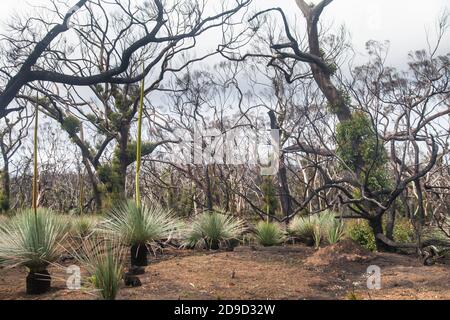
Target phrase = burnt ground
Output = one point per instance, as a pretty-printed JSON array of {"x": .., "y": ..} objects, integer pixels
[{"x": 291, "y": 272}]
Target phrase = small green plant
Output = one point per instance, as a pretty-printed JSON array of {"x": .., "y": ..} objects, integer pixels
[
  {"x": 335, "y": 231},
  {"x": 332, "y": 228},
  {"x": 317, "y": 235},
  {"x": 104, "y": 262},
  {"x": 315, "y": 229},
  {"x": 138, "y": 227},
  {"x": 269, "y": 234},
  {"x": 352, "y": 295},
  {"x": 212, "y": 229},
  {"x": 360, "y": 232},
  {"x": 403, "y": 231},
  {"x": 31, "y": 239},
  {"x": 302, "y": 228},
  {"x": 83, "y": 226}
]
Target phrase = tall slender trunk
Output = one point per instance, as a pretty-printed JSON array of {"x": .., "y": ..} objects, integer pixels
[
  {"x": 123, "y": 161},
  {"x": 6, "y": 185},
  {"x": 283, "y": 188},
  {"x": 95, "y": 183},
  {"x": 283, "y": 184},
  {"x": 208, "y": 190}
]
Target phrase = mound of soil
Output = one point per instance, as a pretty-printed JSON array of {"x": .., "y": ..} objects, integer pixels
[{"x": 339, "y": 254}]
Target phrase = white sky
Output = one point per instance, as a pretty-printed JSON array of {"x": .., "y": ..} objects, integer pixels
[{"x": 403, "y": 22}]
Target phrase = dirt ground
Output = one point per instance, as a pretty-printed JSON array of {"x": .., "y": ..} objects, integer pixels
[{"x": 291, "y": 272}]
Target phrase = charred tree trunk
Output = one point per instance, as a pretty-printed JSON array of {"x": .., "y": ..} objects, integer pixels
[
  {"x": 283, "y": 184},
  {"x": 208, "y": 190},
  {"x": 123, "y": 160},
  {"x": 6, "y": 187},
  {"x": 390, "y": 223},
  {"x": 376, "y": 225}
]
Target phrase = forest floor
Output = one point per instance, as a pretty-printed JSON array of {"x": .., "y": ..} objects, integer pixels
[{"x": 290, "y": 272}]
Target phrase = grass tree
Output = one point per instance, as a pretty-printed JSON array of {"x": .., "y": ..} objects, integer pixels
[
  {"x": 210, "y": 230},
  {"x": 32, "y": 239},
  {"x": 303, "y": 228},
  {"x": 137, "y": 224},
  {"x": 269, "y": 234},
  {"x": 138, "y": 227}
]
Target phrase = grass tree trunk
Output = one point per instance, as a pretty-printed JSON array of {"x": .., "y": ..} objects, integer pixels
[{"x": 38, "y": 282}]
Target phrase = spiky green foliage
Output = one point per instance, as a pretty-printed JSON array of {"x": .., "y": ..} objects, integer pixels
[
  {"x": 104, "y": 262},
  {"x": 317, "y": 228},
  {"x": 3, "y": 221},
  {"x": 302, "y": 228},
  {"x": 269, "y": 234},
  {"x": 211, "y": 229},
  {"x": 317, "y": 236},
  {"x": 335, "y": 231},
  {"x": 83, "y": 226},
  {"x": 32, "y": 240},
  {"x": 139, "y": 225},
  {"x": 331, "y": 228}
]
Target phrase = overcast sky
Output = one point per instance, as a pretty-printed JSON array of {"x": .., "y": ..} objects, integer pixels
[{"x": 403, "y": 22}]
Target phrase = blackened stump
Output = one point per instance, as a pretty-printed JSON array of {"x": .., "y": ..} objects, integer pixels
[
  {"x": 38, "y": 282},
  {"x": 231, "y": 244},
  {"x": 139, "y": 255},
  {"x": 213, "y": 245}
]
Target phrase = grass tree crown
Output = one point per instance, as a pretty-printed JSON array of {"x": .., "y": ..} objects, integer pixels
[
  {"x": 211, "y": 229},
  {"x": 32, "y": 240},
  {"x": 141, "y": 225}
]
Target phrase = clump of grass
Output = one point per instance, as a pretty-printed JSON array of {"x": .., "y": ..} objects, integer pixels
[
  {"x": 302, "y": 228},
  {"x": 317, "y": 236},
  {"x": 31, "y": 239},
  {"x": 103, "y": 259},
  {"x": 335, "y": 231},
  {"x": 212, "y": 229},
  {"x": 269, "y": 234},
  {"x": 316, "y": 229},
  {"x": 83, "y": 226}
]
